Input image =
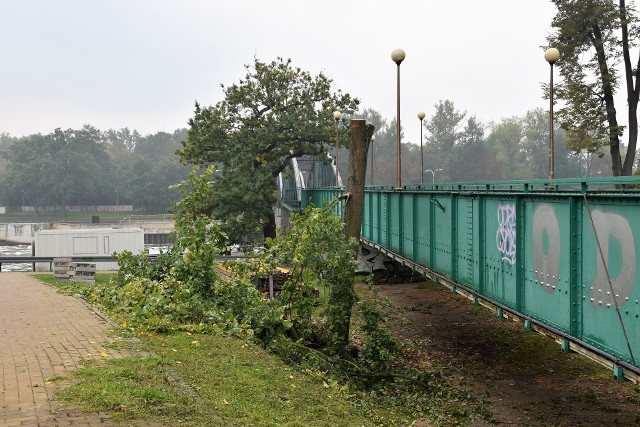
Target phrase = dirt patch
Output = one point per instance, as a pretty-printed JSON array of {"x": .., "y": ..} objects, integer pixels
[{"x": 524, "y": 376}]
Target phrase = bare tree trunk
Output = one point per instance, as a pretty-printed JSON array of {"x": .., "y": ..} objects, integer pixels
[
  {"x": 633, "y": 92},
  {"x": 269, "y": 229},
  {"x": 356, "y": 173},
  {"x": 607, "y": 87},
  {"x": 343, "y": 295}
]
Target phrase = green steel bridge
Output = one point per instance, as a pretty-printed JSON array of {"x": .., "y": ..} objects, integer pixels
[{"x": 562, "y": 255}]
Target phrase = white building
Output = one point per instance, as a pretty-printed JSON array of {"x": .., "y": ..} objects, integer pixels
[{"x": 88, "y": 243}]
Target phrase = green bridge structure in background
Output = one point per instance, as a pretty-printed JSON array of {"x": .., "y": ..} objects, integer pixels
[{"x": 561, "y": 254}]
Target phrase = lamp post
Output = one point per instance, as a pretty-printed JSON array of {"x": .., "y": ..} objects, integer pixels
[
  {"x": 421, "y": 117},
  {"x": 117, "y": 201},
  {"x": 337, "y": 115},
  {"x": 433, "y": 174},
  {"x": 373, "y": 138},
  {"x": 551, "y": 56},
  {"x": 398, "y": 56}
]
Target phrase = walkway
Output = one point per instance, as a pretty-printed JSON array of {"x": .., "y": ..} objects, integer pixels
[{"x": 44, "y": 334}]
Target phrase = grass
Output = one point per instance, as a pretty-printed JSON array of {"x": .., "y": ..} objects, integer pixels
[{"x": 196, "y": 380}]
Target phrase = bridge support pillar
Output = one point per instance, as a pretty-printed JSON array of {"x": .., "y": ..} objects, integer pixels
[
  {"x": 527, "y": 325},
  {"x": 618, "y": 373}
]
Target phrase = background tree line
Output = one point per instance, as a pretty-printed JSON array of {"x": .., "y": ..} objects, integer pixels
[
  {"x": 91, "y": 167},
  {"x": 467, "y": 150}
]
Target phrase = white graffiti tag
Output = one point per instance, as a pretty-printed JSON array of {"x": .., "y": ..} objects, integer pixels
[{"x": 506, "y": 233}]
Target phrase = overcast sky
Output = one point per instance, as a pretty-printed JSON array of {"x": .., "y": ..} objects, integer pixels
[{"x": 142, "y": 64}]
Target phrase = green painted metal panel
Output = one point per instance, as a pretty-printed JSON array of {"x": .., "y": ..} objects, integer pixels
[
  {"x": 367, "y": 216},
  {"x": 467, "y": 241},
  {"x": 407, "y": 218},
  {"x": 441, "y": 211},
  {"x": 618, "y": 230},
  {"x": 394, "y": 223},
  {"x": 547, "y": 268},
  {"x": 384, "y": 219},
  {"x": 423, "y": 230}
]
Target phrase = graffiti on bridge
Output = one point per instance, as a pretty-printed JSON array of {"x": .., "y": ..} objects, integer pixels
[{"x": 506, "y": 233}]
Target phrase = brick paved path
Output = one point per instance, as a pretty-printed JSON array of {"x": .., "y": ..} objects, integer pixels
[{"x": 45, "y": 334}]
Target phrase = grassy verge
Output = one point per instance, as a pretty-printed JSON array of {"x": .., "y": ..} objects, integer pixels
[
  {"x": 209, "y": 380},
  {"x": 218, "y": 380},
  {"x": 196, "y": 380}
]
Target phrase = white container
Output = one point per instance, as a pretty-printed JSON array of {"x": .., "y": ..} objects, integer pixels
[{"x": 88, "y": 243}]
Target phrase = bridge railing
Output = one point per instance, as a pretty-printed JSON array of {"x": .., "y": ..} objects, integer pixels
[{"x": 565, "y": 253}]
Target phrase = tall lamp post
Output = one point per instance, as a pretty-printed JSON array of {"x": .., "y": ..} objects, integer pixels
[
  {"x": 433, "y": 174},
  {"x": 337, "y": 115},
  {"x": 421, "y": 117},
  {"x": 398, "y": 56},
  {"x": 373, "y": 138},
  {"x": 551, "y": 56}
]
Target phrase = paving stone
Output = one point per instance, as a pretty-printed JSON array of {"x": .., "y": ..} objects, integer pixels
[{"x": 44, "y": 334}]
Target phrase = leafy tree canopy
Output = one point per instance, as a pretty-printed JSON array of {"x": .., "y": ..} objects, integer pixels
[
  {"x": 275, "y": 113},
  {"x": 594, "y": 38}
]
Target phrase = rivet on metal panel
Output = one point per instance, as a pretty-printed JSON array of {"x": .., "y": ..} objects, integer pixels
[
  {"x": 608, "y": 305},
  {"x": 599, "y": 302},
  {"x": 591, "y": 299}
]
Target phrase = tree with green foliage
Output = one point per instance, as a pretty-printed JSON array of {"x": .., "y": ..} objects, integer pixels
[
  {"x": 26, "y": 169},
  {"x": 468, "y": 160},
  {"x": 594, "y": 37},
  {"x": 275, "y": 113},
  {"x": 444, "y": 131}
]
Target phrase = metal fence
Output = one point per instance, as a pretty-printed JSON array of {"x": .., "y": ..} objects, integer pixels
[{"x": 565, "y": 253}]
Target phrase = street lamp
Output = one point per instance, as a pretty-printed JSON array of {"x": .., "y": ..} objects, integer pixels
[
  {"x": 337, "y": 115},
  {"x": 421, "y": 117},
  {"x": 433, "y": 174},
  {"x": 117, "y": 201},
  {"x": 398, "y": 56},
  {"x": 551, "y": 56},
  {"x": 373, "y": 138}
]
